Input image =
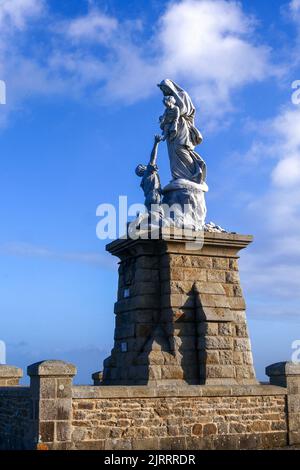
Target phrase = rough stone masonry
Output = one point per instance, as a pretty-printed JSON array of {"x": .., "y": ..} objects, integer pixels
[{"x": 180, "y": 314}]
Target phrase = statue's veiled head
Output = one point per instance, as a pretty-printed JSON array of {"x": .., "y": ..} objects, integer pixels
[{"x": 166, "y": 87}]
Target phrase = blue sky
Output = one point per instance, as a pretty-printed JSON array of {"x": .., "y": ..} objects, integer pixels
[{"x": 82, "y": 109}]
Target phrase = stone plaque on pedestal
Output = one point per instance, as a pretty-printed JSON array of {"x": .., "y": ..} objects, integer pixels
[{"x": 180, "y": 314}]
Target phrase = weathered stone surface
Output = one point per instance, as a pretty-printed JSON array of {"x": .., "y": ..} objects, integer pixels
[
  {"x": 174, "y": 422},
  {"x": 184, "y": 305},
  {"x": 51, "y": 368},
  {"x": 208, "y": 328},
  {"x": 9, "y": 375},
  {"x": 214, "y": 314},
  {"x": 215, "y": 342},
  {"x": 242, "y": 344},
  {"x": 287, "y": 374}
]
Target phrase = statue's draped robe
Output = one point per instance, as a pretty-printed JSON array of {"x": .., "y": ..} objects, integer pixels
[{"x": 184, "y": 161}]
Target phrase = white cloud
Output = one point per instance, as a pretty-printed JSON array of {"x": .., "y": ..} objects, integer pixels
[
  {"x": 95, "y": 26},
  {"x": 295, "y": 7},
  {"x": 272, "y": 270},
  {"x": 211, "y": 45},
  {"x": 208, "y": 46},
  {"x": 285, "y": 130},
  {"x": 15, "y": 13}
]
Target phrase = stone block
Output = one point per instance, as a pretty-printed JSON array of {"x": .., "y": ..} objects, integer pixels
[
  {"x": 172, "y": 372},
  {"x": 220, "y": 263},
  {"x": 63, "y": 388},
  {"x": 210, "y": 288},
  {"x": 155, "y": 372},
  {"x": 193, "y": 274},
  {"x": 63, "y": 431},
  {"x": 145, "y": 444},
  {"x": 237, "y": 303},
  {"x": 209, "y": 357},
  {"x": 201, "y": 262},
  {"x": 177, "y": 315},
  {"x": 182, "y": 343},
  {"x": 219, "y": 371},
  {"x": 214, "y": 314},
  {"x": 215, "y": 342},
  {"x": 181, "y": 329},
  {"x": 177, "y": 301},
  {"x": 47, "y": 388},
  {"x": 233, "y": 264},
  {"x": 209, "y": 429},
  {"x": 92, "y": 445},
  {"x": 9, "y": 375},
  {"x": 197, "y": 429},
  {"x": 226, "y": 357},
  {"x": 125, "y": 332},
  {"x": 146, "y": 275},
  {"x": 212, "y": 300},
  {"x": 225, "y": 329},
  {"x": 143, "y": 329},
  {"x": 147, "y": 262},
  {"x": 157, "y": 357},
  {"x": 47, "y": 431},
  {"x": 216, "y": 276},
  {"x": 53, "y": 368},
  {"x": 177, "y": 287},
  {"x": 238, "y": 357},
  {"x": 241, "y": 330},
  {"x": 244, "y": 372},
  {"x": 145, "y": 316},
  {"x": 144, "y": 288},
  {"x": 55, "y": 409},
  {"x": 242, "y": 344},
  {"x": 232, "y": 277},
  {"x": 208, "y": 328}
]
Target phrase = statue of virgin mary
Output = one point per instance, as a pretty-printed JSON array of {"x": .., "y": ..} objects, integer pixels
[{"x": 185, "y": 163}]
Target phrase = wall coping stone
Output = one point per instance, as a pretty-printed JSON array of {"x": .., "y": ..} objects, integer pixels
[
  {"x": 10, "y": 372},
  {"x": 283, "y": 368},
  {"x": 132, "y": 391},
  {"x": 51, "y": 368},
  {"x": 234, "y": 240}
]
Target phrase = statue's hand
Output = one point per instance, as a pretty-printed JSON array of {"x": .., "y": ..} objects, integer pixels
[{"x": 158, "y": 138}]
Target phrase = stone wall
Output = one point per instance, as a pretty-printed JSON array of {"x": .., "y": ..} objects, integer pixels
[
  {"x": 16, "y": 412},
  {"x": 176, "y": 418},
  {"x": 54, "y": 414}
]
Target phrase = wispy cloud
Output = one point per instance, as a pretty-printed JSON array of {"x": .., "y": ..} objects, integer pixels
[
  {"x": 16, "y": 13},
  {"x": 33, "y": 251},
  {"x": 95, "y": 26},
  {"x": 208, "y": 45},
  {"x": 272, "y": 270}
]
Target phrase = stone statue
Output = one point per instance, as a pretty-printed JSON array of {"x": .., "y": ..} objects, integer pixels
[
  {"x": 181, "y": 203},
  {"x": 181, "y": 134},
  {"x": 150, "y": 183},
  {"x": 184, "y": 195}
]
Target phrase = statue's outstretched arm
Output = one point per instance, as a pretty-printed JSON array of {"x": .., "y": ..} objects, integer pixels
[{"x": 153, "y": 157}]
